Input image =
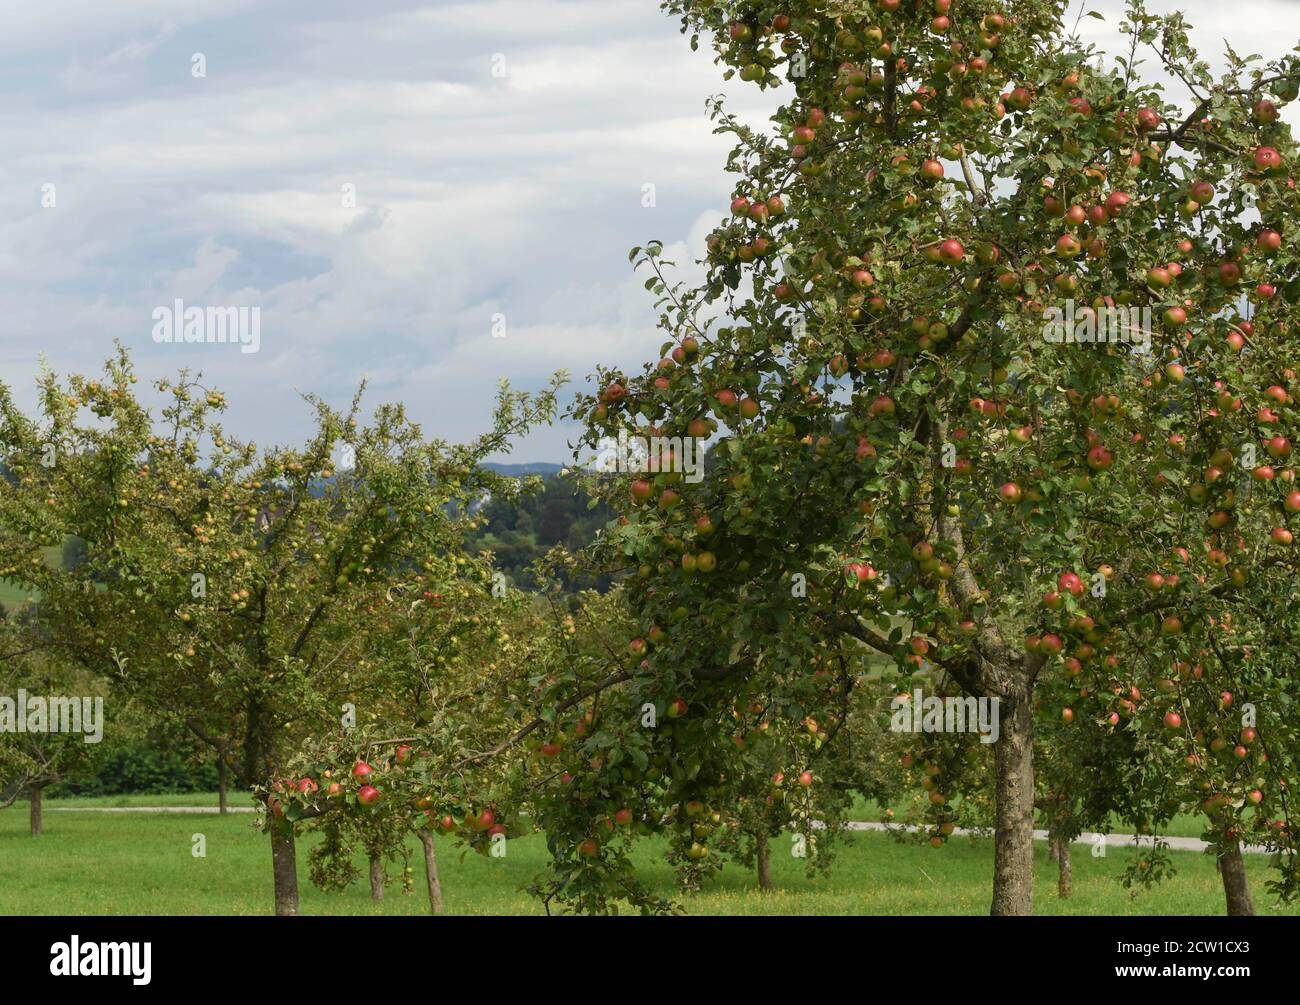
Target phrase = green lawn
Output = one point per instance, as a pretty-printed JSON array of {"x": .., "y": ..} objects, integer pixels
[
  {"x": 91, "y": 863},
  {"x": 14, "y": 596},
  {"x": 173, "y": 799}
]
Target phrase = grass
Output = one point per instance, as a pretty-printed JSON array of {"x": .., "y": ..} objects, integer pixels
[
  {"x": 233, "y": 799},
  {"x": 90, "y": 863},
  {"x": 12, "y": 595}
]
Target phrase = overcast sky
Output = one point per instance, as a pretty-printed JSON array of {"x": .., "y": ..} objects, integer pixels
[{"x": 498, "y": 151}]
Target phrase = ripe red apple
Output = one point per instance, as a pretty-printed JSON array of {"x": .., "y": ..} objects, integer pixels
[
  {"x": 1099, "y": 458},
  {"x": 1173, "y": 720},
  {"x": 951, "y": 251},
  {"x": 1071, "y": 583},
  {"x": 1010, "y": 493},
  {"x": 1267, "y": 159},
  {"x": 805, "y": 778},
  {"x": 362, "y": 770},
  {"x": 1268, "y": 241},
  {"x": 367, "y": 795}
]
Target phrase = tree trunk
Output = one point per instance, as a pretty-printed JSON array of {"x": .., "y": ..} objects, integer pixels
[
  {"x": 36, "y": 810},
  {"x": 284, "y": 864},
  {"x": 764, "y": 855},
  {"x": 1236, "y": 889},
  {"x": 1013, "y": 841},
  {"x": 1064, "y": 879},
  {"x": 376, "y": 879},
  {"x": 431, "y": 871},
  {"x": 221, "y": 784}
]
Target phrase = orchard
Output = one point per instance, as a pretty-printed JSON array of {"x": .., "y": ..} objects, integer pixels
[
  {"x": 993, "y": 355},
  {"x": 1095, "y": 530}
]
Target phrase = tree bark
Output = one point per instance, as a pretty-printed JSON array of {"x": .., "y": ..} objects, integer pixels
[
  {"x": 1236, "y": 889},
  {"x": 764, "y": 855},
  {"x": 431, "y": 871},
  {"x": 1013, "y": 841},
  {"x": 1065, "y": 878},
  {"x": 376, "y": 879},
  {"x": 37, "y": 826},
  {"x": 284, "y": 864},
  {"x": 221, "y": 784}
]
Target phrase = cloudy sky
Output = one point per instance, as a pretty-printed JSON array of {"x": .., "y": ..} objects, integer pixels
[{"x": 498, "y": 153}]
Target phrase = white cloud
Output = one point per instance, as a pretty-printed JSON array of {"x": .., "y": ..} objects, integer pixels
[{"x": 474, "y": 194}]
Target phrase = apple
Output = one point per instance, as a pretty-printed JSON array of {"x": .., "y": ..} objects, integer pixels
[
  {"x": 1160, "y": 277},
  {"x": 951, "y": 251},
  {"x": 1099, "y": 458},
  {"x": 362, "y": 770},
  {"x": 1010, "y": 493},
  {"x": 367, "y": 795},
  {"x": 402, "y": 754},
  {"x": 1067, "y": 715},
  {"x": 1173, "y": 720},
  {"x": 642, "y": 490},
  {"x": 1067, "y": 246},
  {"x": 805, "y": 778},
  {"x": 932, "y": 169},
  {"x": 1267, "y": 159},
  {"x": 1071, "y": 583},
  {"x": 1268, "y": 241},
  {"x": 676, "y": 708}
]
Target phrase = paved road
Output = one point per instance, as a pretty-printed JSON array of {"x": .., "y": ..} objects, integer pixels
[{"x": 1112, "y": 840}]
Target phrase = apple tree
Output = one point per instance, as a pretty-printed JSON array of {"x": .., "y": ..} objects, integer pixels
[
  {"x": 996, "y": 335},
  {"x": 220, "y": 578}
]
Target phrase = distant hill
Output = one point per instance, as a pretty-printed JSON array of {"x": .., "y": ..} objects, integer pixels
[{"x": 519, "y": 470}]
